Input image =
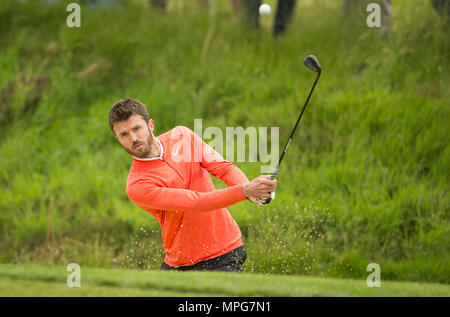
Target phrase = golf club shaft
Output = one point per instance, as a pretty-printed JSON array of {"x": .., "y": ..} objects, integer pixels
[{"x": 274, "y": 173}]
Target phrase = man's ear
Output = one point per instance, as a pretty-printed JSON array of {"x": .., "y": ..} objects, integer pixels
[{"x": 151, "y": 125}]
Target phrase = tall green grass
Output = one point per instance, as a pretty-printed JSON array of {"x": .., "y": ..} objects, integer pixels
[{"x": 366, "y": 179}]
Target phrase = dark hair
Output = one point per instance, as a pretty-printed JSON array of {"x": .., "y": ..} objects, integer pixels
[{"x": 125, "y": 108}]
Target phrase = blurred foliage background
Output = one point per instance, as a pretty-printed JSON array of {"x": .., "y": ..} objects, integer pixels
[{"x": 367, "y": 176}]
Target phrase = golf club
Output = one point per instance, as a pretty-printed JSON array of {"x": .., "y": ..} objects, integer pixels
[{"x": 312, "y": 63}]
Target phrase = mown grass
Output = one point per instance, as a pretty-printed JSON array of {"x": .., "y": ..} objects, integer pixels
[
  {"x": 32, "y": 280},
  {"x": 366, "y": 179}
]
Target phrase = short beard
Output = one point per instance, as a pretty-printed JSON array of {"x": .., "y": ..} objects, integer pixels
[{"x": 144, "y": 154}]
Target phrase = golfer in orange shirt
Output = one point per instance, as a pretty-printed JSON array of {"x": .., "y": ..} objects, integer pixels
[{"x": 169, "y": 178}]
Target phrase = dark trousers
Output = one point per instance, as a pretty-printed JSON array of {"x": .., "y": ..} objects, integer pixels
[
  {"x": 229, "y": 262},
  {"x": 285, "y": 10}
]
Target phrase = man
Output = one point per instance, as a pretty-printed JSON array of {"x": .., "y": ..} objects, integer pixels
[
  {"x": 283, "y": 15},
  {"x": 169, "y": 178}
]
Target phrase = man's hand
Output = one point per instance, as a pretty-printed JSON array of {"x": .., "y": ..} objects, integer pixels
[
  {"x": 259, "y": 189},
  {"x": 258, "y": 201},
  {"x": 262, "y": 201}
]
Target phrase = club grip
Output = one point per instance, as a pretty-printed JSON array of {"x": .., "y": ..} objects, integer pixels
[
  {"x": 274, "y": 173},
  {"x": 272, "y": 177}
]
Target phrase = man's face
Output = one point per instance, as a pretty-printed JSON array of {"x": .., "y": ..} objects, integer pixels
[{"x": 135, "y": 136}]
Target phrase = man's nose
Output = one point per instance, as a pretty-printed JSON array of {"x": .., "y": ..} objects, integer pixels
[{"x": 133, "y": 137}]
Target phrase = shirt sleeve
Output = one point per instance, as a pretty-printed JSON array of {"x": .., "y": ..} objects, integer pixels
[
  {"x": 148, "y": 195},
  {"x": 216, "y": 165}
]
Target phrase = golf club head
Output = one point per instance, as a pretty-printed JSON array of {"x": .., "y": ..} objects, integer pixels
[{"x": 312, "y": 63}]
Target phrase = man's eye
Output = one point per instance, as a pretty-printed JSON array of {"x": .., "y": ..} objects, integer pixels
[{"x": 137, "y": 128}]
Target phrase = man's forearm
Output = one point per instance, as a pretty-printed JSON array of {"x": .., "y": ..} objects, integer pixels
[
  {"x": 228, "y": 172},
  {"x": 234, "y": 176},
  {"x": 162, "y": 198}
]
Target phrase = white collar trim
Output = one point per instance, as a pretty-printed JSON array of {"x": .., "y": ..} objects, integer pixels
[{"x": 160, "y": 157}]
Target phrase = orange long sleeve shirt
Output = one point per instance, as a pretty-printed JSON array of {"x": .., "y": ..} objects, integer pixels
[{"x": 177, "y": 190}]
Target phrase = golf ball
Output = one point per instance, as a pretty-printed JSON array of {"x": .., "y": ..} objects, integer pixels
[{"x": 264, "y": 9}]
